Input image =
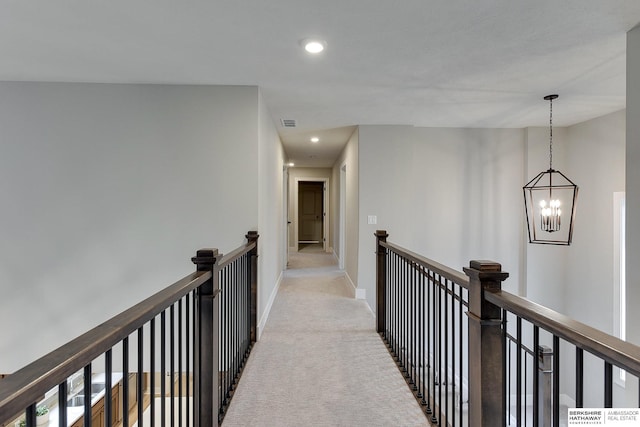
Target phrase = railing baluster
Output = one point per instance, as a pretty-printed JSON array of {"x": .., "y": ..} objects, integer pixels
[
  {"x": 236, "y": 348},
  {"x": 87, "y": 400},
  {"x": 152, "y": 372},
  {"x": 579, "y": 377},
  {"x": 229, "y": 334},
  {"x": 506, "y": 365},
  {"x": 556, "y": 380},
  {"x": 172, "y": 367},
  {"x": 62, "y": 403},
  {"x": 524, "y": 390},
  {"x": 460, "y": 393},
  {"x": 108, "y": 389},
  {"x": 536, "y": 375},
  {"x": 139, "y": 390},
  {"x": 398, "y": 296},
  {"x": 180, "y": 391},
  {"x": 412, "y": 325},
  {"x": 438, "y": 414},
  {"x": 187, "y": 358},
  {"x": 453, "y": 353},
  {"x": 608, "y": 385},
  {"x": 163, "y": 368},
  {"x": 125, "y": 382},
  {"x": 403, "y": 317},
  {"x": 519, "y": 369},
  {"x": 421, "y": 363},
  {"x": 30, "y": 415},
  {"x": 389, "y": 301},
  {"x": 430, "y": 340},
  {"x": 225, "y": 338},
  {"x": 394, "y": 306},
  {"x": 444, "y": 379}
]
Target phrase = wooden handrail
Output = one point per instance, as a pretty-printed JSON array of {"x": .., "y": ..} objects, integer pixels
[
  {"x": 615, "y": 351},
  {"x": 441, "y": 269},
  {"x": 235, "y": 254},
  {"x": 27, "y": 385}
]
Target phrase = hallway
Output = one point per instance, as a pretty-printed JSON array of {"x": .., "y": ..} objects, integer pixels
[{"x": 319, "y": 361}]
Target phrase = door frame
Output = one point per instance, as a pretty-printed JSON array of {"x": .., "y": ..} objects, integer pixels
[
  {"x": 285, "y": 210},
  {"x": 342, "y": 231},
  {"x": 325, "y": 208}
]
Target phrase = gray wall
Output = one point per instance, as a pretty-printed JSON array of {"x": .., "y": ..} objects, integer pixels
[
  {"x": 456, "y": 194},
  {"x": 633, "y": 185},
  {"x": 107, "y": 191},
  {"x": 270, "y": 213},
  {"x": 349, "y": 158},
  {"x": 447, "y": 194}
]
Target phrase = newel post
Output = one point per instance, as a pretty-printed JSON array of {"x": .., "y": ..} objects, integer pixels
[
  {"x": 486, "y": 346},
  {"x": 206, "y": 375},
  {"x": 252, "y": 236},
  {"x": 381, "y": 280}
]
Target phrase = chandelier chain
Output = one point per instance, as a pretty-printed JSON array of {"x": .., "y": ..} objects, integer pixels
[{"x": 550, "y": 133}]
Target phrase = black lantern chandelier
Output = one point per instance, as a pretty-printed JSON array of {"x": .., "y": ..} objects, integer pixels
[{"x": 550, "y": 200}]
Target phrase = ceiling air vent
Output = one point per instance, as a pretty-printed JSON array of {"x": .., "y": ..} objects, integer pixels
[{"x": 288, "y": 123}]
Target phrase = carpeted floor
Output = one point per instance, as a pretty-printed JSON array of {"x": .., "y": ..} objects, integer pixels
[{"x": 319, "y": 361}]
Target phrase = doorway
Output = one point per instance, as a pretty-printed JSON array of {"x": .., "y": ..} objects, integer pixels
[{"x": 311, "y": 214}]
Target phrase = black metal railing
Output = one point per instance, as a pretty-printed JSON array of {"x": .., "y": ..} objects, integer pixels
[
  {"x": 237, "y": 319},
  {"x": 423, "y": 323},
  {"x": 502, "y": 365},
  {"x": 161, "y": 362},
  {"x": 554, "y": 377}
]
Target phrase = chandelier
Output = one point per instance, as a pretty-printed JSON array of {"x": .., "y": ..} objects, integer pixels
[{"x": 550, "y": 200}]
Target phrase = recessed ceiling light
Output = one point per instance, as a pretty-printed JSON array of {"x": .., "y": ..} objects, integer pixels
[
  {"x": 315, "y": 139},
  {"x": 291, "y": 164},
  {"x": 314, "y": 45}
]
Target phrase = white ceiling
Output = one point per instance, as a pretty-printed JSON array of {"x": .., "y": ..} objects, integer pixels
[{"x": 456, "y": 63}]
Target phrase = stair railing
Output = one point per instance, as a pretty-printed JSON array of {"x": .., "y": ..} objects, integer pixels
[
  {"x": 190, "y": 343},
  {"x": 476, "y": 355}
]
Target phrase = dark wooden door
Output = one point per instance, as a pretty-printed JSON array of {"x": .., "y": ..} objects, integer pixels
[{"x": 310, "y": 211}]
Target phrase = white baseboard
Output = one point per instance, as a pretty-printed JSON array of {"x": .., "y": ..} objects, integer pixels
[
  {"x": 267, "y": 310},
  {"x": 361, "y": 293},
  {"x": 351, "y": 288}
]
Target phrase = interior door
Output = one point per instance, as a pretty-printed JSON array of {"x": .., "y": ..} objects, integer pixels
[{"x": 310, "y": 212}]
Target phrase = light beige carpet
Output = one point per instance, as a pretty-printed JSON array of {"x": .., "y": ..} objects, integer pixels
[{"x": 319, "y": 361}]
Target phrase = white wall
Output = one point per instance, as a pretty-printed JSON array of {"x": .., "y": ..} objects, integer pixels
[
  {"x": 449, "y": 194},
  {"x": 633, "y": 183},
  {"x": 270, "y": 212},
  {"x": 597, "y": 164},
  {"x": 349, "y": 158},
  {"x": 107, "y": 191},
  {"x": 633, "y": 189}
]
